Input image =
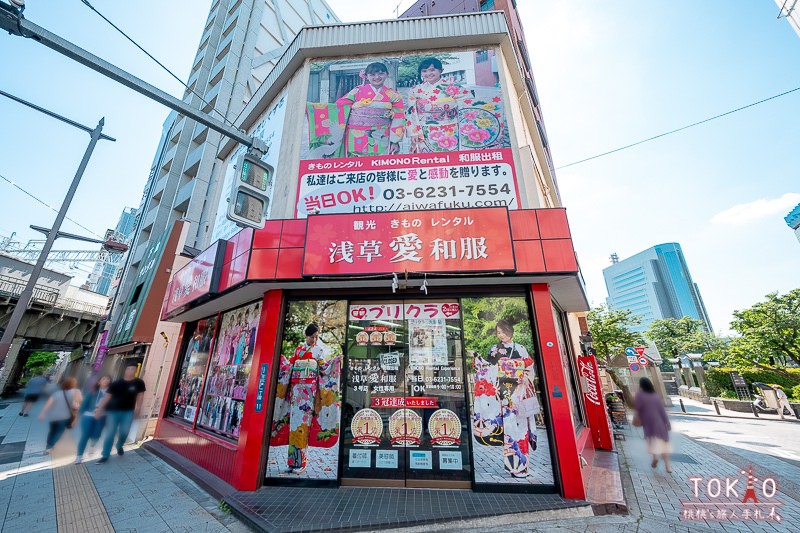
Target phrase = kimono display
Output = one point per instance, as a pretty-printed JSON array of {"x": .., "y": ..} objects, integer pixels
[
  {"x": 434, "y": 116},
  {"x": 375, "y": 120},
  {"x": 307, "y": 403},
  {"x": 502, "y": 388}
]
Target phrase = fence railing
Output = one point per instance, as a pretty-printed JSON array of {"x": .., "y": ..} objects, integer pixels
[{"x": 12, "y": 287}]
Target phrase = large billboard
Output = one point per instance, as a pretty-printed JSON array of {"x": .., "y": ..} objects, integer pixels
[{"x": 405, "y": 132}]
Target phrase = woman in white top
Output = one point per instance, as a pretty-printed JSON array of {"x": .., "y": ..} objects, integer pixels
[{"x": 59, "y": 410}]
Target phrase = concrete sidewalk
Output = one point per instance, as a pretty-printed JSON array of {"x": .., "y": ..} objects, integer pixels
[
  {"x": 134, "y": 493},
  {"x": 694, "y": 407}
]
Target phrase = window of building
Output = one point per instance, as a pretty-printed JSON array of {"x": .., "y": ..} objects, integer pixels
[
  {"x": 189, "y": 382},
  {"x": 487, "y": 5},
  {"x": 570, "y": 374},
  {"x": 226, "y": 380},
  {"x": 481, "y": 56}
]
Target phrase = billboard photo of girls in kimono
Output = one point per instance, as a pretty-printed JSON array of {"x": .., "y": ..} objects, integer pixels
[
  {"x": 509, "y": 432},
  {"x": 304, "y": 438},
  {"x": 229, "y": 371},
  {"x": 420, "y": 103}
]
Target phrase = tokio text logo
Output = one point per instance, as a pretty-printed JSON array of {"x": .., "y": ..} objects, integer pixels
[
  {"x": 733, "y": 498},
  {"x": 586, "y": 370}
]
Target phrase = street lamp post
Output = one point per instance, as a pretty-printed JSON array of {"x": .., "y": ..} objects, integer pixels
[{"x": 27, "y": 294}]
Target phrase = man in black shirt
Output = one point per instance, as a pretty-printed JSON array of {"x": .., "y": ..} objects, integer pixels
[{"x": 121, "y": 403}]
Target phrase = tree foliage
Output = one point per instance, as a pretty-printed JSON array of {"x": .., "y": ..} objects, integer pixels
[
  {"x": 676, "y": 336},
  {"x": 612, "y": 331},
  {"x": 40, "y": 362},
  {"x": 771, "y": 328},
  {"x": 329, "y": 315}
]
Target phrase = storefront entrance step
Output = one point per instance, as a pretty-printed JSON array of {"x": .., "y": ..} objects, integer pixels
[
  {"x": 604, "y": 490},
  {"x": 305, "y": 509}
]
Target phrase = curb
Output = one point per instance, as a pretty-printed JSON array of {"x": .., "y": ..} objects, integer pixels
[{"x": 713, "y": 415}]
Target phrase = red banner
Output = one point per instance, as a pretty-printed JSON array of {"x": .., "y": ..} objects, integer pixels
[
  {"x": 456, "y": 240},
  {"x": 415, "y": 402},
  {"x": 595, "y": 403}
]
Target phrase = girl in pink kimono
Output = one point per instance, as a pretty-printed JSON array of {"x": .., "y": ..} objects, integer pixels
[{"x": 376, "y": 123}]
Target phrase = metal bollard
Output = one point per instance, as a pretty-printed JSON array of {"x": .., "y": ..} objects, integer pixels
[
  {"x": 716, "y": 406},
  {"x": 683, "y": 408},
  {"x": 753, "y": 407}
]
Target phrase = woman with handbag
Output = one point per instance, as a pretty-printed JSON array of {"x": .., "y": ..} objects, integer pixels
[
  {"x": 61, "y": 410},
  {"x": 652, "y": 417}
]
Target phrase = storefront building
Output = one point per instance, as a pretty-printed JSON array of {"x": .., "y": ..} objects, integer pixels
[{"x": 402, "y": 320}]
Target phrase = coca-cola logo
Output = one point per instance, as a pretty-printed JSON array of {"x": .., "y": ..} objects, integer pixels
[{"x": 592, "y": 393}]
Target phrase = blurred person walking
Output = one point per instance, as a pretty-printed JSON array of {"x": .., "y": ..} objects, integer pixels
[
  {"x": 91, "y": 425},
  {"x": 33, "y": 390},
  {"x": 60, "y": 410},
  {"x": 121, "y": 403},
  {"x": 653, "y": 418}
]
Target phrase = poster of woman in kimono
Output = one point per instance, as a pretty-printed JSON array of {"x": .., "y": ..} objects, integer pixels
[
  {"x": 510, "y": 440},
  {"x": 229, "y": 371},
  {"x": 304, "y": 439}
]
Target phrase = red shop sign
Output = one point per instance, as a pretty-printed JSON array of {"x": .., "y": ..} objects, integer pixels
[
  {"x": 415, "y": 402},
  {"x": 455, "y": 240},
  {"x": 198, "y": 278}
]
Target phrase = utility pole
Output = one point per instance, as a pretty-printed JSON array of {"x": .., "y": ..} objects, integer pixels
[{"x": 24, "y": 299}]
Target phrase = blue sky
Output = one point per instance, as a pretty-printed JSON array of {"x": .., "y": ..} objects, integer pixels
[{"x": 608, "y": 73}]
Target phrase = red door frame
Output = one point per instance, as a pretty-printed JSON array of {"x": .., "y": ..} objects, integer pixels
[
  {"x": 247, "y": 473},
  {"x": 561, "y": 418}
]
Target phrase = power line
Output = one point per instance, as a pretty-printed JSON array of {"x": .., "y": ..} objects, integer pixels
[
  {"x": 13, "y": 184},
  {"x": 148, "y": 54},
  {"x": 678, "y": 129}
]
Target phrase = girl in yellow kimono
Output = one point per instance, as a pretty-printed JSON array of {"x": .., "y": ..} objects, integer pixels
[
  {"x": 433, "y": 110},
  {"x": 376, "y": 123}
]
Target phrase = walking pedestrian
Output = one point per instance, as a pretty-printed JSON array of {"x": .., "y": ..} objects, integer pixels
[
  {"x": 91, "y": 425},
  {"x": 60, "y": 410},
  {"x": 783, "y": 401},
  {"x": 121, "y": 404},
  {"x": 33, "y": 390},
  {"x": 653, "y": 419}
]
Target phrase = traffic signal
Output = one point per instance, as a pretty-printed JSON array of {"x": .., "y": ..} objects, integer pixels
[{"x": 249, "y": 195}]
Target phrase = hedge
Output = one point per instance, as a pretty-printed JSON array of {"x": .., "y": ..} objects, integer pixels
[{"x": 718, "y": 380}]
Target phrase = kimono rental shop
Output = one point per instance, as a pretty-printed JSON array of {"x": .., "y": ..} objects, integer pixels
[
  {"x": 402, "y": 320},
  {"x": 315, "y": 372}
]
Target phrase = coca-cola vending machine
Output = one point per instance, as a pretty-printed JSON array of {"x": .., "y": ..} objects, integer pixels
[{"x": 595, "y": 403}]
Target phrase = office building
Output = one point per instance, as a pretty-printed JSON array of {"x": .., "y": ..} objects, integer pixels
[
  {"x": 104, "y": 274},
  {"x": 793, "y": 220},
  {"x": 655, "y": 284}
]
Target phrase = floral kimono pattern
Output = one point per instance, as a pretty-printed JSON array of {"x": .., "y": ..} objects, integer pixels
[
  {"x": 500, "y": 387},
  {"x": 307, "y": 403},
  {"x": 434, "y": 116},
  {"x": 376, "y": 119}
]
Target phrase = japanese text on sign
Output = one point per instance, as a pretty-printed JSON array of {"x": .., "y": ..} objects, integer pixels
[{"x": 408, "y": 182}]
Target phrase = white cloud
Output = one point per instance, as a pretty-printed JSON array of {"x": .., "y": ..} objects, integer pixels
[{"x": 744, "y": 213}]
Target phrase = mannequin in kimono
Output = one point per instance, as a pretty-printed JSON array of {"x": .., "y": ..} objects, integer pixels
[
  {"x": 302, "y": 392},
  {"x": 376, "y": 123}
]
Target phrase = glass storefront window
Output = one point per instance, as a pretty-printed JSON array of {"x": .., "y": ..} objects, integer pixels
[
  {"x": 509, "y": 423},
  {"x": 304, "y": 438},
  {"x": 228, "y": 374},
  {"x": 190, "y": 380},
  {"x": 569, "y": 372},
  {"x": 405, "y": 405}
]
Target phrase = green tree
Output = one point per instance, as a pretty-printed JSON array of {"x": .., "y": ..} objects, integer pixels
[
  {"x": 676, "y": 336},
  {"x": 39, "y": 362},
  {"x": 612, "y": 331},
  {"x": 407, "y": 68},
  {"x": 480, "y": 316},
  {"x": 771, "y": 328}
]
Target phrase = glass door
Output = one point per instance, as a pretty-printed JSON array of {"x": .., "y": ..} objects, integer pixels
[{"x": 405, "y": 411}]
